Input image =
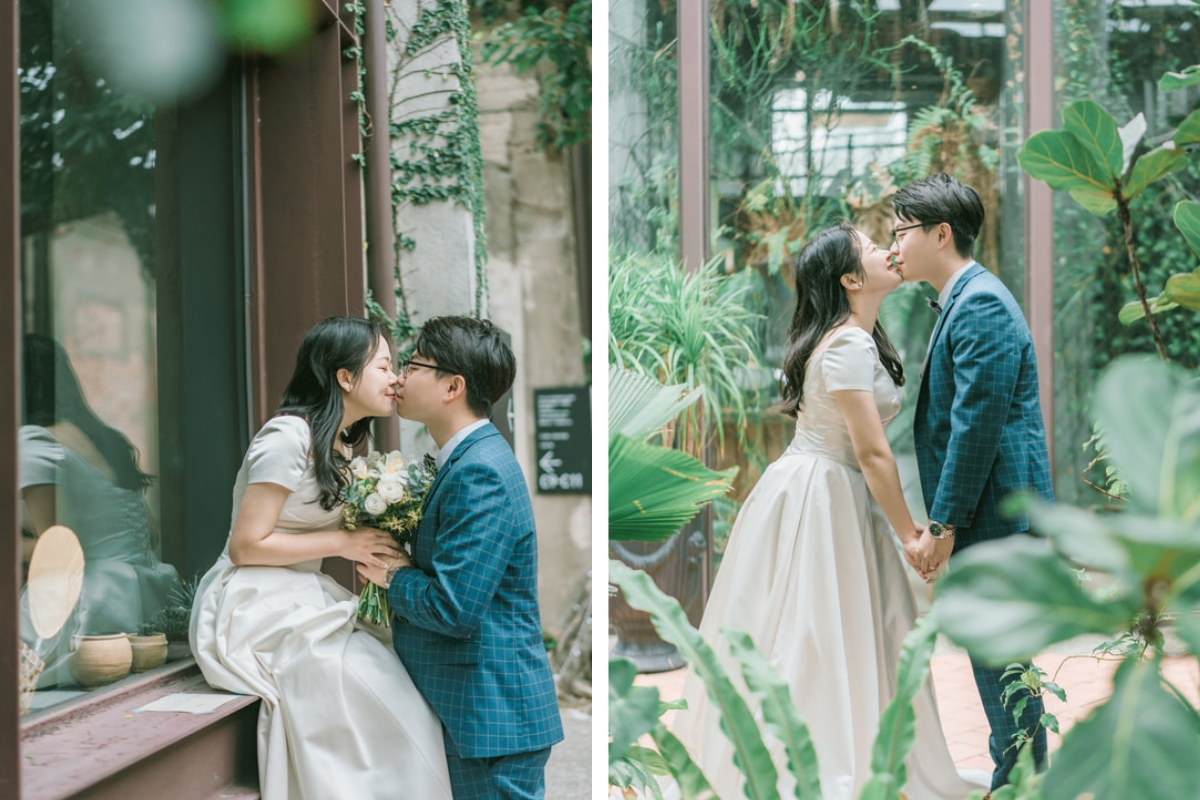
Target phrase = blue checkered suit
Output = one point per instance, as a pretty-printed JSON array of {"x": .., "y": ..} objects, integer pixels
[
  {"x": 467, "y": 625},
  {"x": 980, "y": 437},
  {"x": 978, "y": 427}
]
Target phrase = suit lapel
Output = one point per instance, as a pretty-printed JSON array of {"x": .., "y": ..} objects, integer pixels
[
  {"x": 481, "y": 433},
  {"x": 972, "y": 271}
]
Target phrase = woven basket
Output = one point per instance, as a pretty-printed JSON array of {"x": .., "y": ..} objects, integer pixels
[{"x": 31, "y": 670}]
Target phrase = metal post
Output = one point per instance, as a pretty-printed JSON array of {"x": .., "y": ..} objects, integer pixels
[
  {"x": 381, "y": 237},
  {"x": 693, "y": 133},
  {"x": 1039, "y": 205}
]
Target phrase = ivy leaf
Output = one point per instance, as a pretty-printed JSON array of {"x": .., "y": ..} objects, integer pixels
[
  {"x": 1096, "y": 130},
  {"x": 1063, "y": 162},
  {"x": 1154, "y": 165},
  {"x": 1172, "y": 81}
]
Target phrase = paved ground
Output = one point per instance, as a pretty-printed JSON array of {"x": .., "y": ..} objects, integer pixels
[
  {"x": 569, "y": 773},
  {"x": 1086, "y": 680}
]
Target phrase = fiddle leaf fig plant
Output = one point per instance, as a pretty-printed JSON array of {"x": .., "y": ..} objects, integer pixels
[
  {"x": 1105, "y": 167},
  {"x": 1006, "y": 600}
]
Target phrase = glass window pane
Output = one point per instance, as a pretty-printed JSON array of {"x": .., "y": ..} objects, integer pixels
[
  {"x": 1115, "y": 53},
  {"x": 96, "y": 247}
]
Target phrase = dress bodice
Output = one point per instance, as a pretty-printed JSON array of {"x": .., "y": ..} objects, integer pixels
[
  {"x": 849, "y": 361},
  {"x": 111, "y": 522},
  {"x": 280, "y": 454}
]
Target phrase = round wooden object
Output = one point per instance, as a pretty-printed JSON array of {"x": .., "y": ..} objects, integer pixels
[{"x": 55, "y": 579}]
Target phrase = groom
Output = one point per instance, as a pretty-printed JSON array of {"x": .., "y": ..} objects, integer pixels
[
  {"x": 466, "y": 621},
  {"x": 978, "y": 425}
]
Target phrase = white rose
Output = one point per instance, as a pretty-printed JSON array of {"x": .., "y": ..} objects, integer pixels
[
  {"x": 358, "y": 467},
  {"x": 374, "y": 504},
  {"x": 390, "y": 489}
]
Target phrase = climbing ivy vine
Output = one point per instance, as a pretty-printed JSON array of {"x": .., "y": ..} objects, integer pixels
[{"x": 444, "y": 161}]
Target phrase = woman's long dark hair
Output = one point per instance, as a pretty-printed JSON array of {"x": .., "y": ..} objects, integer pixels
[
  {"x": 822, "y": 305},
  {"x": 313, "y": 393},
  {"x": 52, "y": 394}
]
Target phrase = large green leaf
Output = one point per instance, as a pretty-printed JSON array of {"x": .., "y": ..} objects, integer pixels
[
  {"x": 779, "y": 713},
  {"x": 1187, "y": 219},
  {"x": 1083, "y": 537},
  {"x": 737, "y": 722},
  {"x": 1098, "y": 201},
  {"x": 1063, "y": 162},
  {"x": 897, "y": 725},
  {"x": 632, "y": 710},
  {"x": 1184, "y": 290},
  {"x": 1188, "y": 131},
  {"x": 1152, "y": 166},
  {"x": 1132, "y": 311},
  {"x": 654, "y": 491},
  {"x": 1150, "y": 414},
  {"x": 1141, "y": 744},
  {"x": 638, "y": 405},
  {"x": 1005, "y": 600},
  {"x": 1179, "y": 80},
  {"x": 1097, "y": 131},
  {"x": 688, "y": 776}
]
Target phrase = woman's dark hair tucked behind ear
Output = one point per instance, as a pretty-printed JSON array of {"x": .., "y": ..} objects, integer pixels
[
  {"x": 52, "y": 394},
  {"x": 314, "y": 393},
  {"x": 822, "y": 305}
]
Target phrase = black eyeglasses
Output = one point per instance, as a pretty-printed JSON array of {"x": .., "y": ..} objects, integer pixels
[
  {"x": 407, "y": 365},
  {"x": 897, "y": 231}
]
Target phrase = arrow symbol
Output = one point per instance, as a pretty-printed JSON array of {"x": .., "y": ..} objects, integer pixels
[{"x": 548, "y": 462}]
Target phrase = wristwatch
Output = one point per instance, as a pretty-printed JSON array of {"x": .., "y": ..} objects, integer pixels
[
  {"x": 940, "y": 530},
  {"x": 391, "y": 573}
]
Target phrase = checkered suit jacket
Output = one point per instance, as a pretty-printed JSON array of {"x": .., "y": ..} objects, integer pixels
[
  {"x": 978, "y": 427},
  {"x": 466, "y": 620}
]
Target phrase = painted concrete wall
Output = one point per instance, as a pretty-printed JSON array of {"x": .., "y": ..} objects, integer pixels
[{"x": 532, "y": 276}]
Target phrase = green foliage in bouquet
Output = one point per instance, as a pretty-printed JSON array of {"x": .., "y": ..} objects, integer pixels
[{"x": 385, "y": 491}]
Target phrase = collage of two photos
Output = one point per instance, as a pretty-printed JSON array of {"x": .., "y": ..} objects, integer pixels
[{"x": 884, "y": 487}]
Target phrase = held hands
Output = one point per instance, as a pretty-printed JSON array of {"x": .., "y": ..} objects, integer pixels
[
  {"x": 378, "y": 575},
  {"x": 370, "y": 546},
  {"x": 927, "y": 554}
]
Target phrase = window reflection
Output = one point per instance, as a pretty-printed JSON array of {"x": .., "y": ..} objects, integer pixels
[{"x": 88, "y": 443}]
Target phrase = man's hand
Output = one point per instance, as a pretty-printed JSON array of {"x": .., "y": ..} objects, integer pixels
[
  {"x": 942, "y": 548},
  {"x": 920, "y": 553},
  {"x": 378, "y": 575}
]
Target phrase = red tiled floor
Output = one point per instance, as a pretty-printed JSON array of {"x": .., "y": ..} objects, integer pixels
[{"x": 1086, "y": 680}]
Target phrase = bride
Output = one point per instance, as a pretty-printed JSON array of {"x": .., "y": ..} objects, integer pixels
[
  {"x": 340, "y": 716},
  {"x": 812, "y": 571}
]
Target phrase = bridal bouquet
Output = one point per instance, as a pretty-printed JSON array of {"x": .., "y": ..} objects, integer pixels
[{"x": 385, "y": 491}]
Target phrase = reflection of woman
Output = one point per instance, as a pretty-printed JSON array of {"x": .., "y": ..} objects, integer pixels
[
  {"x": 340, "y": 715},
  {"x": 76, "y": 471},
  {"x": 812, "y": 571}
]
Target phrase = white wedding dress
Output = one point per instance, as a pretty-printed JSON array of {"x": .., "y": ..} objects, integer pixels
[
  {"x": 340, "y": 717},
  {"x": 814, "y": 574}
]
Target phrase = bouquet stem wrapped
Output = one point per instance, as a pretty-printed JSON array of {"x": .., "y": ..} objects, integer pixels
[{"x": 385, "y": 491}]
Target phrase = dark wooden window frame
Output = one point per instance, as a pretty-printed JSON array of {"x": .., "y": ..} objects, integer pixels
[{"x": 301, "y": 211}]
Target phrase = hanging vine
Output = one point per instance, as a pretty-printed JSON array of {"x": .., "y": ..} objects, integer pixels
[{"x": 444, "y": 161}]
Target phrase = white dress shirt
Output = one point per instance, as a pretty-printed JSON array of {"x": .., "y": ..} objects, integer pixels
[{"x": 443, "y": 455}]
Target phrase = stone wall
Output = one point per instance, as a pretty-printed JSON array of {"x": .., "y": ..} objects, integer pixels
[{"x": 532, "y": 277}]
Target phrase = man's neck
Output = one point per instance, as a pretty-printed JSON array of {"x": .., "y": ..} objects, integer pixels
[
  {"x": 945, "y": 272},
  {"x": 443, "y": 433}
]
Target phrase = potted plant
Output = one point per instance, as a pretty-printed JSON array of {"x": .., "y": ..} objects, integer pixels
[
  {"x": 149, "y": 648},
  {"x": 174, "y": 618}
]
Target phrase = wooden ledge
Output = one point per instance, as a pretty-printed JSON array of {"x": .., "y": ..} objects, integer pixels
[{"x": 99, "y": 748}]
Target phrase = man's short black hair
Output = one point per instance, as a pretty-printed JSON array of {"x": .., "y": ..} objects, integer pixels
[
  {"x": 474, "y": 349},
  {"x": 941, "y": 198}
]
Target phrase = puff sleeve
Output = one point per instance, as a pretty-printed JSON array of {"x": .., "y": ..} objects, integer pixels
[
  {"x": 39, "y": 454},
  {"x": 279, "y": 453},
  {"x": 849, "y": 361}
]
